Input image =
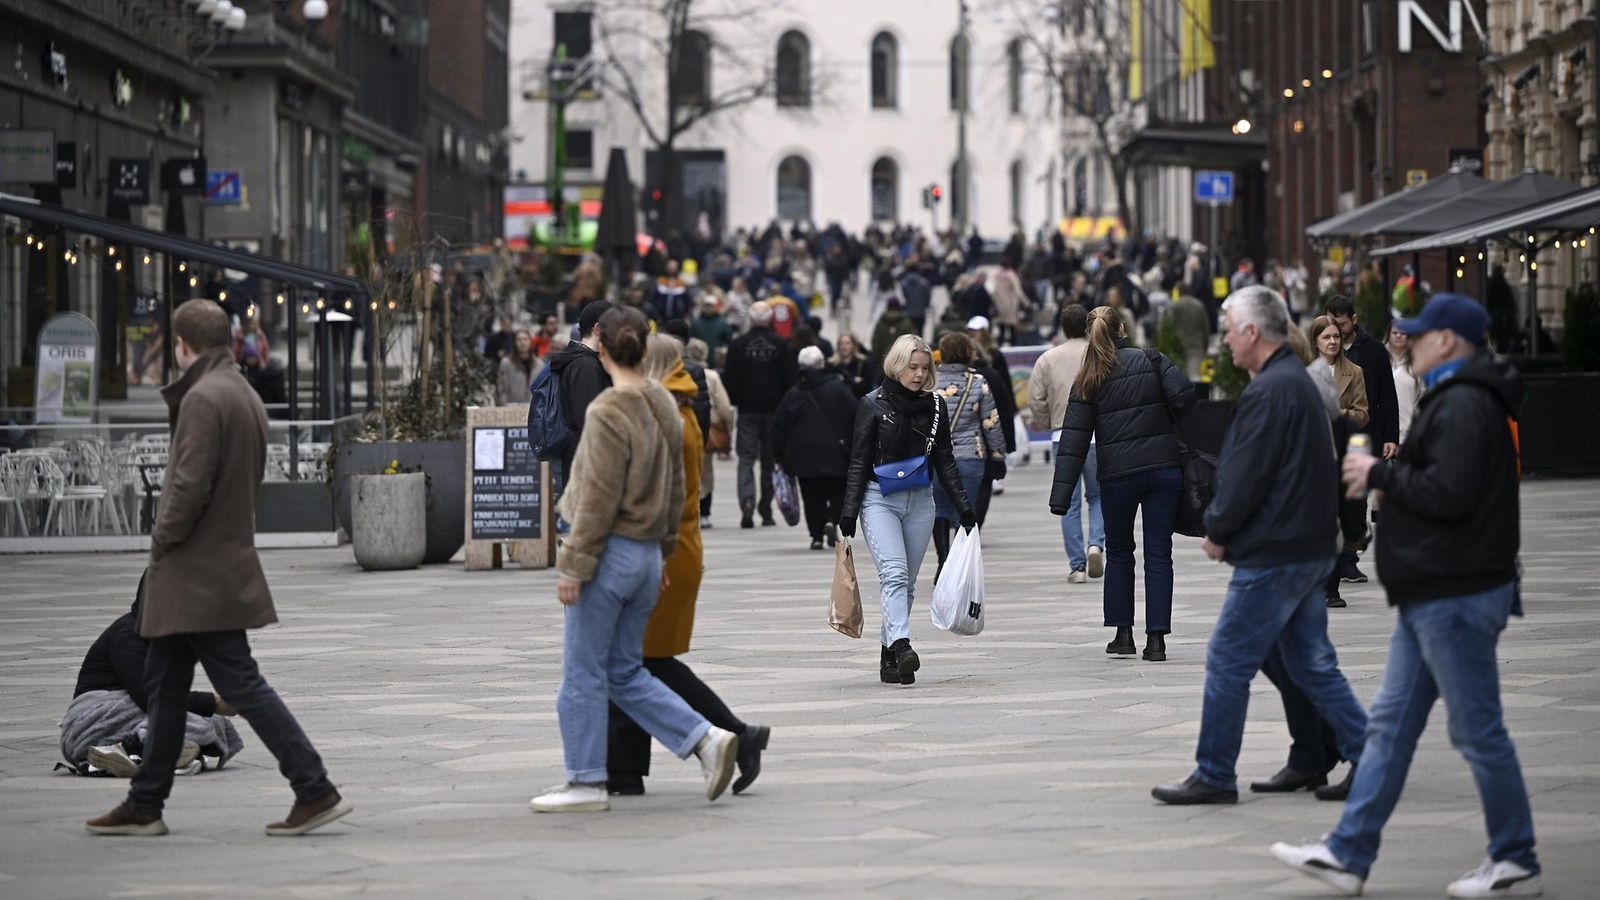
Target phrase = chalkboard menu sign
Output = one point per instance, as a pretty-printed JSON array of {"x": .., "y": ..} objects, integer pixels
[{"x": 506, "y": 497}]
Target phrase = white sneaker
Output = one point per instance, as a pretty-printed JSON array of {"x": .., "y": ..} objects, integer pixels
[
  {"x": 113, "y": 760},
  {"x": 1497, "y": 879},
  {"x": 718, "y": 752},
  {"x": 569, "y": 797},
  {"x": 1078, "y": 576},
  {"x": 1097, "y": 562},
  {"x": 1319, "y": 862}
]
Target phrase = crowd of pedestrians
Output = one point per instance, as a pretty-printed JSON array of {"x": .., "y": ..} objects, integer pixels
[{"x": 907, "y": 439}]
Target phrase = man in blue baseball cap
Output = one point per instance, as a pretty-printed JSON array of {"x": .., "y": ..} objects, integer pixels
[{"x": 1447, "y": 557}]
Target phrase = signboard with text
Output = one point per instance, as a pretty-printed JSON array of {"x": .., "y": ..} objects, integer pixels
[
  {"x": 68, "y": 380},
  {"x": 509, "y": 498},
  {"x": 129, "y": 180},
  {"x": 28, "y": 156}
]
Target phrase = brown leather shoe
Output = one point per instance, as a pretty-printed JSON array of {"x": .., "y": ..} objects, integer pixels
[
  {"x": 124, "y": 821},
  {"x": 306, "y": 817}
]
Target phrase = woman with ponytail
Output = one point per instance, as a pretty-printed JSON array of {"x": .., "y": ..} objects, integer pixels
[{"x": 1124, "y": 407}]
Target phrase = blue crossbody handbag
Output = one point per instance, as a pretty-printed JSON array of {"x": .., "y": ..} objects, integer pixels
[{"x": 912, "y": 472}]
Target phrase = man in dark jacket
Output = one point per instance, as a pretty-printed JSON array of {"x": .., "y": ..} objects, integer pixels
[
  {"x": 205, "y": 585},
  {"x": 1274, "y": 517},
  {"x": 1448, "y": 560},
  {"x": 758, "y": 373},
  {"x": 582, "y": 376},
  {"x": 1382, "y": 405},
  {"x": 811, "y": 440},
  {"x": 918, "y": 294}
]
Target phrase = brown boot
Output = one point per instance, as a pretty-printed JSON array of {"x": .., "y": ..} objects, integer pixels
[
  {"x": 125, "y": 821},
  {"x": 305, "y": 817}
]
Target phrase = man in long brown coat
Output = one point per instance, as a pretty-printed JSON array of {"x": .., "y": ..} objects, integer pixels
[{"x": 205, "y": 586}]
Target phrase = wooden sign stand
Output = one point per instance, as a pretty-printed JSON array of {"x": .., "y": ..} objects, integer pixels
[{"x": 510, "y": 506}]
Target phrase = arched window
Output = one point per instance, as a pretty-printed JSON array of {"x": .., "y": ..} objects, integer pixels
[
  {"x": 885, "y": 66},
  {"x": 1018, "y": 193},
  {"x": 794, "y": 69},
  {"x": 692, "y": 82},
  {"x": 885, "y": 190},
  {"x": 794, "y": 189},
  {"x": 960, "y": 182},
  {"x": 1014, "y": 75},
  {"x": 960, "y": 73}
]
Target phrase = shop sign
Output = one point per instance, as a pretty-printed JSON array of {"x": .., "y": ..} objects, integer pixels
[
  {"x": 1412, "y": 14},
  {"x": 185, "y": 175},
  {"x": 129, "y": 180},
  {"x": 67, "y": 381},
  {"x": 28, "y": 155},
  {"x": 67, "y": 165}
]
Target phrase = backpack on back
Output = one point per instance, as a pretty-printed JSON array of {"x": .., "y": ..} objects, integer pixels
[{"x": 548, "y": 433}]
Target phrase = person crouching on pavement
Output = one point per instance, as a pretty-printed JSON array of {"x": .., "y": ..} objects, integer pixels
[
  {"x": 903, "y": 422},
  {"x": 205, "y": 587},
  {"x": 104, "y": 726},
  {"x": 1447, "y": 558},
  {"x": 1275, "y": 518},
  {"x": 624, "y": 499}
]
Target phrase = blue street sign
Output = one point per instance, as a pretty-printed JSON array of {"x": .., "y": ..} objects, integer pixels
[
  {"x": 1213, "y": 187},
  {"x": 223, "y": 187}
]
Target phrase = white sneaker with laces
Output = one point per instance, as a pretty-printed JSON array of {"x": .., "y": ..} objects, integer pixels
[
  {"x": 1078, "y": 576},
  {"x": 113, "y": 759},
  {"x": 1319, "y": 862},
  {"x": 1097, "y": 562},
  {"x": 718, "y": 752},
  {"x": 1497, "y": 879},
  {"x": 565, "y": 798}
]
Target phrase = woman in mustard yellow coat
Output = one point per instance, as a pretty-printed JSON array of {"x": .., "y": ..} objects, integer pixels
[{"x": 672, "y": 623}]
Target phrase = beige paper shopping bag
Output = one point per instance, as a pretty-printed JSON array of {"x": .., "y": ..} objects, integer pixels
[{"x": 844, "y": 604}]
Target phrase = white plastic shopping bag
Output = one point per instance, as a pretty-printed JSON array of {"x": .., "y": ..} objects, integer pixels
[{"x": 957, "y": 604}]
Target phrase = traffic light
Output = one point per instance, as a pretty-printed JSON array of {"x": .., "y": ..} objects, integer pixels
[
  {"x": 938, "y": 194},
  {"x": 931, "y": 195}
]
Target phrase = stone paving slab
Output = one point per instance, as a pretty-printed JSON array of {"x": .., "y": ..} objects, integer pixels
[{"x": 1018, "y": 766}]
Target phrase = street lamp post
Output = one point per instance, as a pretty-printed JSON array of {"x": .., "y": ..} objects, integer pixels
[{"x": 960, "y": 213}]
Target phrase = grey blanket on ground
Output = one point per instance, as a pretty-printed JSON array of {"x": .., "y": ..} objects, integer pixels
[{"x": 95, "y": 718}]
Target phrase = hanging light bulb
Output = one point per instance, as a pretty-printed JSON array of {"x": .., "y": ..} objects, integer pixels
[
  {"x": 1461, "y": 273},
  {"x": 250, "y": 311},
  {"x": 193, "y": 281},
  {"x": 183, "y": 267},
  {"x": 280, "y": 299},
  {"x": 349, "y": 305},
  {"x": 374, "y": 306},
  {"x": 111, "y": 249},
  {"x": 30, "y": 240},
  {"x": 147, "y": 259},
  {"x": 305, "y": 308},
  {"x": 1533, "y": 266},
  {"x": 391, "y": 304},
  {"x": 1558, "y": 245},
  {"x": 222, "y": 295},
  {"x": 1480, "y": 256},
  {"x": 119, "y": 265}
]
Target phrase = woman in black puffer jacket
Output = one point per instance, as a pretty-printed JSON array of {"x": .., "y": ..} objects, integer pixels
[
  {"x": 900, "y": 422},
  {"x": 1124, "y": 404}
]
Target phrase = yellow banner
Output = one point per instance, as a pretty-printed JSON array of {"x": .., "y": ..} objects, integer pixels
[
  {"x": 1089, "y": 228},
  {"x": 1136, "y": 41},
  {"x": 1195, "y": 50}
]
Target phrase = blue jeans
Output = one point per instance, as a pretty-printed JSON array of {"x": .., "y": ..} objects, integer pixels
[
  {"x": 897, "y": 528},
  {"x": 971, "y": 471},
  {"x": 1286, "y": 606},
  {"x": 1157, "y": 491},
  {"x": 1088, "y": 487},
  {"x": 1441, "y": 648},
  {"x": 602, "y": 659}
]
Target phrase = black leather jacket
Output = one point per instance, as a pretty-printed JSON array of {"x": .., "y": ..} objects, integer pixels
[{"x": 892, "y": 424}]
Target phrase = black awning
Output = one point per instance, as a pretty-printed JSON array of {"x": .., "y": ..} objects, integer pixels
[
  {"x": 1573, "y": 212},
  {"x": 1356, "y": 222},
  {"x": 1475, "y": 205},
  {"x": 115, "y": 232},
  {"x": 1215, "y": 147}
]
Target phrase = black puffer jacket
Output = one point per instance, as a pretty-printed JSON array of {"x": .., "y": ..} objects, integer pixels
[
  {"x": 1450, "y": 504},
  {"x": 812, "y": 431},
  {"x": 892, "y": 424},
  {"x": 1130, "y": 419}
]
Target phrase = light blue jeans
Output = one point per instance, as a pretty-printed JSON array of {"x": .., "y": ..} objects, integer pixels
[
  {"x": 1441, "y": 648},
  {"x": 1087, "y": 488},
  {"x": 602, "y": 659},
  {"x": 897, "y": 528}
]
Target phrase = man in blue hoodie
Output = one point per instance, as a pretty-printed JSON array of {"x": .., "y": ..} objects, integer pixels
[
  {"x": 1275, "y": 519},
  {"x": 1447, "y": 557}
]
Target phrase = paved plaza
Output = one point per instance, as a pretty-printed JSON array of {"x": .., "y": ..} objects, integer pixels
[{"x": 1019, "y": 765}]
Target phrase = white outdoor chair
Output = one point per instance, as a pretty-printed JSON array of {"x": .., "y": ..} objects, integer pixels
[{"x": 11, "y": 495}]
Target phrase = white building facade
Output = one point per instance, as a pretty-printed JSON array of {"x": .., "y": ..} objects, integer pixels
[{"x": 862, "y": 113}]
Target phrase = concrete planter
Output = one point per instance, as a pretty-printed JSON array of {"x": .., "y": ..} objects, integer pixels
[
  {"x": 445, "y": 464},
  {"x": 389, "y": 520}
]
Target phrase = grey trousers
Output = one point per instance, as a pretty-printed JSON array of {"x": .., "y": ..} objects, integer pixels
[{"x": 753, "y": 439}]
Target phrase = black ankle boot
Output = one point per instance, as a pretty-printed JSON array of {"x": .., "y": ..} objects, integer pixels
[
  {"x": 1122, "y": 644},
  {"x": 906, "y": 661},
  {"x": 1155, "y": 648},
  {"x": 888, "y": 668}
]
